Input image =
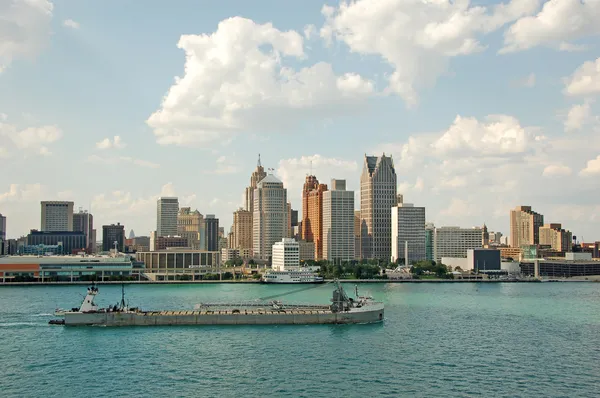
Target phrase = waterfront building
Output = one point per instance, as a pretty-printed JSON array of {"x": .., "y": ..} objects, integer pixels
[
  {"x": 71, "y": 242},
  {"x": 408, "y": 228},
  {"x": 525, "y": 226},
  {"x": 312, "y": 213},
  {"x": 455, "y": 241},
  {"x": 306, "y": 250},
  {"x": 242, "y": 229},
  {"x": 167, "y": 242},
  {"x": 167, "y": 209},
  {"x": 338, "y": 222},
  {"x": 270, "y": 216},
  {"x": 255, "y": 178},
  {"x": 83, "y": 221},
  {"x": 286, "y": 255},
  {"x": 429, "y": 244},
  {"x": 113, "y": 233},
  {"x": 476, "y": 260},
  {"x": 166, "y": 264},
  {"x": 190, "y": 225},
  {"x": 377, "y": 197},
  {"x": 57, "y": 216},
  {"x": 211, "y": 224},
  {"x": 556, "y": 237},
  {"x": 2, "y": 228}
]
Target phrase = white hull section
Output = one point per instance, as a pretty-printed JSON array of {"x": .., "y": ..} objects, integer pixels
[{"x": 291, "y": 277}]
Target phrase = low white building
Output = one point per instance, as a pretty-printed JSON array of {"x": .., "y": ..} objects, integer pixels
[{"x": 286, "y": 255}]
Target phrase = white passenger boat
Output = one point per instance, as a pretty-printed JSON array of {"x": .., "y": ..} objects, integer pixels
[{"x": 296, "y": 276}]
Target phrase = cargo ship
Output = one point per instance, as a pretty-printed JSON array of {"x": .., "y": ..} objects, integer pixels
[{"x": 342, "y": 310}]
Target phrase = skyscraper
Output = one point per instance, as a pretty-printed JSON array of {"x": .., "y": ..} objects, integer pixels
[
  {"x": 269, "y": 220},
  {"x": 242, "y": 229},
  {"x": 255, "y": 178},
  {"x": 166, "y": 216},
  {"x": 408, "y": 229},
  {"x": 429, "y": 243},
  {"x": 190, "y": 225},
  {"x": 212, "y": 232},
  {"x": 377, "y": 197},
  {"x": 455, "y": 241},
  {"x": 555, "y": 236},
  {"x": 2, "y": 227},
  {"x": 525, "y": 226},
  {"x": 338, "y": 222},
  {"x": 83, "y": 221},
  {"x": 111, "y": 234},
  {"x": 312, "y": 214},
  {"x": 57, "y": 216}
]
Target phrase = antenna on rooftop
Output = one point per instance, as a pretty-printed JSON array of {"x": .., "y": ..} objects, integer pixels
[{"x": 258, "y": 164}]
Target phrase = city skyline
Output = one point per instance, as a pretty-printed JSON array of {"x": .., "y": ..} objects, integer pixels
[{"x": 502, "y": 120}]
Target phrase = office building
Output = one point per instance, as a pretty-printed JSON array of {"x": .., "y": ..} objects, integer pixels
[
  {"x": 255, "y": 178},
  {"x": 172, "y": 263},
  {"x": 269, "y": 220},
  {"x": 408, "y": 233},
  {"x": 357, "y": 235},
  {"x": 455, "y": 241},
  {"x": 377, "y": 197},
  {"x": 113, "y": 233},
  {"x": 307, "y": 250},
  {"x": 167, "y": 242},
  {"x": 83, "y": 221},
  {"x": 556, "y": 237},
  {"x": 312, "y": 213},
  {"x": 166, "y": 216},
  {"x": 57, "y": 216},
  {"x": 69, "y": 241},
  {"x": 286, "y": 255},
  {"x": 2, "y": 227},
  {"x": 338, "y": 222},
  {"x": 525, "y": 226},
  {"x": 211, "y": 224},
  {"x": 242, "y": 229},
  {"x": 429, "y": 231},
  {"x": 190, "y": 225}
]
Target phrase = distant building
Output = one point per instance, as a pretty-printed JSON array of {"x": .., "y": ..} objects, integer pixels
[
  {"x": 190, "y": 225},
  {"x": 306, "y": 250},
  {"x": 211, "y": 224},
  {"x": 525, "y": 226},
  {"x": 71, "y": 242},
  {"x": 242, "y": 229},
  {"x": 429, "y": 243},
  {"x": 2, "y": 227},
  {"x": 111, "y": 234},
  {"x": 164, "y": 265},
  {"x": 357, "y": 235},
  {"x": 286, "y": 255},
  {"x": 84, "y": 222},
  {"x": 312, "y": 213},
  {"x": 377, "y": 197},
  {"x": 338, "y": 222},
  {"x": 270, "y": 216},
  {"x": 455, "y": 241},
  {"x": 556, "y": 237},
  {"x": 255, "y": 178},
  {"x": 166, "y": 216},
  {"x": 131, "y": 234},
  {"x": 408, "y": 226},
  {"x": 158, "y": 243},
  {"x": 57, "y": 216}
]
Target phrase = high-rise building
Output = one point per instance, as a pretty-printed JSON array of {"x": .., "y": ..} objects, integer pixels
[
  {"x": 286, "y": 255},
  {"x": 555, "y": 236},
  {"x": 131, "y": 234},
  {"x": 357, "y": 234},
  {"x": 242, "y": 229},
  {"x": 408, "y": 228},
  {"x": 338, "y": 222},
  {"x": 68, "y": 242},
  {"x": 429, "y": 229},
  {"x": 294, "y": 217},
  {"x": 495, "y": 238},
  {"x": 2, "y": 227},
  {"x": 257, "y": 175},
  {"x": 485, "y": 236},
  {"x": 57, "y": 216},
  {"x": 166, "y": 216},
  {"x": 212, "y": 232},
  {"x": 312, "y": 213},
  {"x": 111, "y": 234},
  {"x": 190, "y": 225},
  {"x": 83, "y": 221},
  {"x": 269, "y": 221},
  {"x": 377, "y": 197},
  {"x": 455, "y": 242},
  {"x": 525, "y": 226},
  {"x": 290, "y": 229}
]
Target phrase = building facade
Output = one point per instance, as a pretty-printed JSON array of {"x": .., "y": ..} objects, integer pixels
[
  {"x": 429, "y": 245},
  {"x": 556, "y": 237},
  {"x": 286, "y": 255},
  {"x": 455, "y": 241},
  {"x": 408, "y": 233},
  {"x": 166, "y": 216},
  {"x": 312, "y": 213},
  {"x": 190, "y": 225},
  {"x": 2, "y": 227},
  {"x": 211, "y": 226},
  {"x": 167, "y": 242},
  {"x": 307, "y": 250},
  {"x": 255, "y": 178},
  {"x": 57, "y": 216},
  {"x": 357, "y": 235},
  {"x": 269, "y": 220},
  {"x": 242, "y": 229},
  {"x": 111, "y": 234},
  {"x": 525, "y": 226},
  {"x": 71, "y": 242},
  {"x": 338, "y": 222},
  {"x": 83, "y": 221},
  {"x": 377, "y": 197}
]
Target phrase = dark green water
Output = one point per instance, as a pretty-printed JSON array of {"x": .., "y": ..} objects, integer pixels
[{"x": 437, "y": 341}]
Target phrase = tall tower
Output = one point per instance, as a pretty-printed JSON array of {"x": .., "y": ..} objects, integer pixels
[
  {"x": 57, "y": 216},
  {"x": 255, "y": 178},
  {"x": 269, "y": 220},
  {"x": 166, "y": 216},
  {"x": 312, "y": 213},
  {"x": 377, "y": 197},
  {"x": 408, "y": 232},
  {"x": 338, "y": 222},
  {"x": 190, "y": 225},
  {"x": 212, "y": 232},
  {"x": 242, "y": 229},
  {"x": 84, "y": 222},
  {"x": 525, "y": 226}
]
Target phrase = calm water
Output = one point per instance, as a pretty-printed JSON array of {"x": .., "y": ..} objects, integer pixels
[{"x": 437, "y": 340}]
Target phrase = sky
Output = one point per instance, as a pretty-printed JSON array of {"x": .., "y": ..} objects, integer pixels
[{"x": 483, "y": 105}]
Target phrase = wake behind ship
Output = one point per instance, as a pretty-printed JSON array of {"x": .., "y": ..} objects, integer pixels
[{"x": 342, "y": 310}]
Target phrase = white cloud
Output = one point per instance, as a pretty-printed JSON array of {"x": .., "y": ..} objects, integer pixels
[
  {"x": 32, "y": 139},
  {"x": 417, "y": 38},
  {"x": 120, "y": 160},
  {"x": 585, "y": 80},
  {"x": 558, "y": 23},
  {"x": 578, "y": 116},
  {"x": 238, "y": 79},
  {"x": 226, "y": 165},
  {"x": 69, "y": 23},
  {"x": 556, "y": 170},
  {"x": 592, "y": 168},
  {"x": 115, "y": 143},
  {"x": 24, "y": 29},
  {"x": 310, "y": 31},
  {"x": 460, "y": 208},
  {"x": 22, "y": 193}
]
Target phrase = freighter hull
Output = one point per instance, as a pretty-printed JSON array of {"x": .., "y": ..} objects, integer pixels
[{"x": 172, "y": 318}]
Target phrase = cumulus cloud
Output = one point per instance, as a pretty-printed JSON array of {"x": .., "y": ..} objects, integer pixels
[
  {"x": 69, "y": 23},
  {"x": 24, "y": 29},
  {"x": 578, "y": 116},
  {"x": 239, "y": 79},
  {"x": 592, "y": 168},
  {"x": 31, "y": 140},
  {"x": 585, "y": 80},
  {"x": 115, "y": 143},
  {"x": 556, "y": 170},
  {"x": 122, "y": 160},
  {"x": 226, "y": 165},
  {"x": 417, "y": 38},
  {"x": 557, "y": 24}
]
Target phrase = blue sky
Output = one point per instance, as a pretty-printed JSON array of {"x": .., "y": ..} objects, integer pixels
[{"x": 484, "y": 106}]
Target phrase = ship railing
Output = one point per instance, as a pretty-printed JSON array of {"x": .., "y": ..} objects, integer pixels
[{"x": 265, "y": 305}]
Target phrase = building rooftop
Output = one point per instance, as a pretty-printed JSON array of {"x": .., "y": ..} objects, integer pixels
[{"x": 270, "y": 178}]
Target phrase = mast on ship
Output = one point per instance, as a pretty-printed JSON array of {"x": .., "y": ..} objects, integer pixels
[{"x": 122, "y": 296}]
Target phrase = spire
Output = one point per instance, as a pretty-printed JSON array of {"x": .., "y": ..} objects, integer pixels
[{"x": 258, "y": 164}]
